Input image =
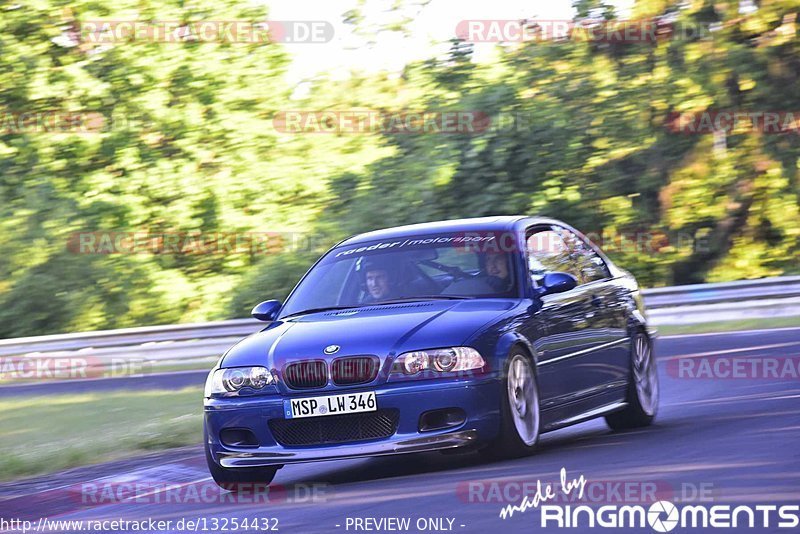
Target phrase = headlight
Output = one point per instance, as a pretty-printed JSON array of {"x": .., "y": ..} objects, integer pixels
[
  {"x": 446, "y": 360},
  {"x": 236, "y": 378}
]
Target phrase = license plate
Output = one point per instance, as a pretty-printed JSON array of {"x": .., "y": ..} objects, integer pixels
[{"x": 330, "y": 405}]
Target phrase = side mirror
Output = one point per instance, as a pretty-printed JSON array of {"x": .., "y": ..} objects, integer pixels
[
  {"x": 267, "y": 310},
  {"x": 557, "y": 283}
]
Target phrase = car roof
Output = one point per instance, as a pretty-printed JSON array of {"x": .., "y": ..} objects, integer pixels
[{"x": 496, "y": 223}]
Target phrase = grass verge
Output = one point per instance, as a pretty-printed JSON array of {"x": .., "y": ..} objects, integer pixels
[
  {"x": 729, "y": 326},
  {"x": 42, "y": 434}
]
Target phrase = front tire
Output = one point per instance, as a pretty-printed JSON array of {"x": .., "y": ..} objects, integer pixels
[
  {"x": 240, "y": 479},
  {"x": 520, "y": 417},
  {"x": 642, "y": 395}
]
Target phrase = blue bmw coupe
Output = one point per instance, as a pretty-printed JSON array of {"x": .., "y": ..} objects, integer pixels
[{"x": 475, "y": 334}]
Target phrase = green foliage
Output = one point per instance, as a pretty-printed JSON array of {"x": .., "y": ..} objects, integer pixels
[
  {"x": 591, "y": 145},
  {"x": 274, "y": 278},
  {"x": 189, "y": 146}
]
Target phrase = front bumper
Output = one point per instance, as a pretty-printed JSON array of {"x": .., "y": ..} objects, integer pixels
[{"x": 478, "y": 398}]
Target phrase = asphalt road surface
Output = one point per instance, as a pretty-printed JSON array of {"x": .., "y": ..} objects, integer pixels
[{"x": 726, "y": 434}]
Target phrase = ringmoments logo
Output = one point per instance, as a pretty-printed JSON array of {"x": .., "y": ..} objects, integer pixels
[
  {"x": 664, "y": 516},
  {"x": 660, "y": 516}
]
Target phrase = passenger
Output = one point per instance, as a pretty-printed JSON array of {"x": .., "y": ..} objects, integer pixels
[{"x": 494, "y": 277}]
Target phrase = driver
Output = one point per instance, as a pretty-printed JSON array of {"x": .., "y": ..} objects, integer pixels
[{"x": 379, "y": 280}]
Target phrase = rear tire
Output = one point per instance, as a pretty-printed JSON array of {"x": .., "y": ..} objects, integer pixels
[
  {"x": 642, "y": 395},
  {"x": 240, "y": 479},
  {"x": 520, "y": 417}
]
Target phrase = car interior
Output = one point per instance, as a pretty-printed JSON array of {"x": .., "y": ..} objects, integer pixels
[{"x": 447, "y": 272}]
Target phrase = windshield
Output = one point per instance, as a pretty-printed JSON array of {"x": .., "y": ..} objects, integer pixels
[{"x": 449, "y": 266}]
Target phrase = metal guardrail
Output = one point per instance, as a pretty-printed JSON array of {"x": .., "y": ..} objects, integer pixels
[
  {"x": 129, "y": 336},
  {"x": 764, "y": 298},
  {"x": 175, "y": 346},
  {"x": 742, "y": 290}
]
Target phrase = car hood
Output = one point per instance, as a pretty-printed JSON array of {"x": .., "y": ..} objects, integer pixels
[{"x": 386, "y": 330}]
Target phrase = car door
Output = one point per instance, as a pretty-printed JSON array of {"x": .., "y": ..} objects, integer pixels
[
  {"x": 559, "y": 326},
  {"x": 582, "y": 350},
  {"x": 607, "y": 314}
]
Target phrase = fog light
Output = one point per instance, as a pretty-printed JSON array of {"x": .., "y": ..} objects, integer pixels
[
  {"x": 238, "y": 437},
  {"x": 440, "y": 419}
]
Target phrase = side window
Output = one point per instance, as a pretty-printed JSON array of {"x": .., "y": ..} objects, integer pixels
[
  {"x": 548, "y": 252},
  {"x": 588, "y": 265}
]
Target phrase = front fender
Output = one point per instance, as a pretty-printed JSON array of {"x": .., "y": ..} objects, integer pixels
[
  {"x": 508, "y": 340},
  {"x": 638, "y": 322}
]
